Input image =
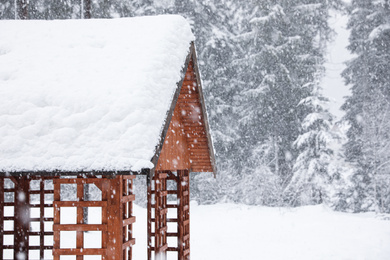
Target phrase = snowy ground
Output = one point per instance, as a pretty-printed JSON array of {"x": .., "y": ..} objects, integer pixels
[{"x": 228, "y": 231}]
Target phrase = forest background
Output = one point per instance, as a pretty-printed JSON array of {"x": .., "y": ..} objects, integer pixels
[{"x": 262, "y": 65}]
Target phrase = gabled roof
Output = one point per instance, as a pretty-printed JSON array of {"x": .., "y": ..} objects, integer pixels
[{"x": 87, "y": 95}]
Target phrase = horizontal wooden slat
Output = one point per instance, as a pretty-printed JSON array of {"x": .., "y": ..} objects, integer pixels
[
  {"x": 80, "y": 204},
  {"x": 77, "y": 251},
  {"x": 168, "y": 220},
  {"x": 39, "y": 247},
  {"x": 129, "y": 221},
  {"x": 162, "y": 193},
  {"x": 79, "y": 227},
  {"x": 202, "y": 169},
  {"x": 37, "y": 205},
  {"x": 162, "y": 248},
  {"x": 38, "y": 233},
  {"x": 8, "y": 218},
  {"x": 8, "y": 232},
  {"x": 172, "y": 192},
  {"x": 172, "y": 249},
  {"x": 39, "y": 192},
  {"x": 129, "y": 177},
  {"x": 161, "y": 175},
  {"x": 8, "y": 247},
  {"x": 128, "y": 198},
  {"x": 163, "y": 229},
  {"x": 44, "y": 219},
  {"x": 129, "y": 243},
  {"x": 163, "y": 211}
]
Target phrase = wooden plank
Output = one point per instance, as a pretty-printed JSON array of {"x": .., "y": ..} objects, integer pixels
[
  {"x": 163, "y": 248},
  {"x": 80, "y": 217},
  {"x": 128, "y": 198},
  {"x": 129, "y": 177},
  {"x": 149, "y": 216},
  {"x": 56, "y": 220},
  {"x": 42, "y": 219},
  {"x": 129, "y": 243},
  {"x": 114, "y": 219},
  {"x": 78, "y": 251},
  {"x": 79, "y": 227},
  {"x": 104, "y": 189},
  {"x": 82, "y": 204},
  {"x": 129, "y": 221}
]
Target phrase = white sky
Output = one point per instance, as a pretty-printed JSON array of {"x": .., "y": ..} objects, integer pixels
[{"x": 333, "y": 83}]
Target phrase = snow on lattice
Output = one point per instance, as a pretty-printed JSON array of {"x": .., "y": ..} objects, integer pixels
[{"x": 87, "y": 94}]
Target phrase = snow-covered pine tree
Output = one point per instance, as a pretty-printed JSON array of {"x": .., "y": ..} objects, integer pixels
[
  {"x": 367, "y": 109},
  {"x": 281, "y": 55},
  {"x": 311, "y": 175},
  {"x": 7, "y": 10}
]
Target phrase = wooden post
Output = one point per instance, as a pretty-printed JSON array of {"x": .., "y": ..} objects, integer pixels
[
  {"x": 41, "y": 217},
  {"x": 22, "y": 218},
  {"x": 105, "y": 189},
  {"x": 114, "y": 219},
  {"x": 1, "y": 216},
  {"x": 149, "y": 217},
  {"x": 57, "y": 217},
  {"x": 80, "y": 219},
  {"x": 22, "y": 9}
]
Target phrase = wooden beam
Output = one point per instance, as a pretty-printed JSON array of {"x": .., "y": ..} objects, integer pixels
[{"x": 114, "y": 219}]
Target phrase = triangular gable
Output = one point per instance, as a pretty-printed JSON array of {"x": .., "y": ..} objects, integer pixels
[{"x": 186, "y": 141}]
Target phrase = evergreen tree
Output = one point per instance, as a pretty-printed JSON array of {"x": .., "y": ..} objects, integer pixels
[
  {"x": 311, "y": 174},
  {"x": 367, "y": 109}
]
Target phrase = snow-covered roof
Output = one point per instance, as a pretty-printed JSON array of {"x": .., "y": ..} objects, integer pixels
[{"x": 82, "y": 95}]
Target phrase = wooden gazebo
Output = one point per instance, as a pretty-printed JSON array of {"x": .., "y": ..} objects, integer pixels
[{"x": 98, "y": 102}]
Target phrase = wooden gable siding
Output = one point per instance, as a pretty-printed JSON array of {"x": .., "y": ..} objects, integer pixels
[{"x": 186, "y": 144}]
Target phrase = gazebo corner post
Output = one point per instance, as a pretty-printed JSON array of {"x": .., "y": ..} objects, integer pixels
[
  {"x": 115, "y": 219},
  {"x": 149, "y": 177}
]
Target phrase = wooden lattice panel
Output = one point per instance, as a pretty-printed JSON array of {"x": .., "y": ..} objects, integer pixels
[
  {"x": 158, "y": 220},
  {"x": 116, "y": 218},
  {"x": 25, "y": 207}
]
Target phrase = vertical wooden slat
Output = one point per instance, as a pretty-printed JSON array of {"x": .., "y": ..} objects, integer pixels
[
  {"x": 80, "y": 219},
  {"x": 186, "y": 173},
  {"x": 41, "y": 216},
  {"x": 180, "y": 203},
  {"x": 124, "y": 216},
  {"x": 157, "y": 208},
  {"x": 57, "y": 197},
  {"x": 114, "y": 219},
  {"x": 149, "y": 214},
  {"x": 105, "y": 188},
  {"x": 130, "y": 214},
  {"x": 1, "y": 216}
]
